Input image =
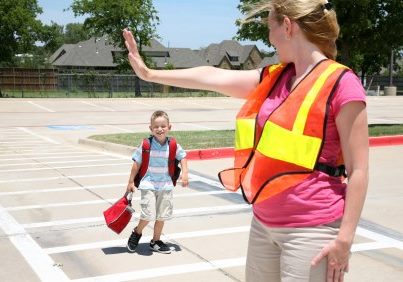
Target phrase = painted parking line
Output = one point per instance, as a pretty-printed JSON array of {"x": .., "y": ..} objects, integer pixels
[
  {"x": 41, "y": 107},
  {"x": 360, "y": 247},
  {"x": 165, "y": 237},
  {"x": 20, "y": 144},
  {"x": 59, "y": 162},
  {"x": 27, "y": 147},
  {"x": 119, "y": 128},
  {"x": 96, "y": 202},
  {"x": 97, "y": 106},
  {"x": 60, "y": 177},
  {"x": 64, "y": 167},
  {"x": 200, "y": 105},
  {"x": 64, "y": 189},
  {"x": 42, "y": 149},
  {"x": 51, "y": 156},
  {"x": 187, "y": 125},
  {"x": 168, "y": 270},
  {"x": 179, "y": 212},
  {"x": 40, "y": 262},
  {"x": 150, "y": 105},
  {"x": 377, "y": 237},
  {"x": 47, "y": 139}
]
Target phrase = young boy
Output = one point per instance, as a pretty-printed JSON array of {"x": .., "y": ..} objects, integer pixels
[{"x": 156, "y": 186}]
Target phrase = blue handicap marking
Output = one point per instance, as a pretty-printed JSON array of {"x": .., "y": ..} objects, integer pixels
[{"x": 71, "y": 127}]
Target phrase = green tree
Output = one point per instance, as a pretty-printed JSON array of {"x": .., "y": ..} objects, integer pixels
[
  {"x": 52, "y": 37},
  {"x": 369, "y": 30},
  {"x": 74, "y": 33},
  {"x": 19, "y": 28},
  {"x": 110, "y": 18}
]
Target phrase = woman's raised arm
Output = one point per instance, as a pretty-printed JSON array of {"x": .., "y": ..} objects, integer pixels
[{"x": 235, "y": 83}]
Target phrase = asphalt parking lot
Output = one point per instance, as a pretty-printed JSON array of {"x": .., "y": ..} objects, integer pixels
[{"x": 53, "y": 191}]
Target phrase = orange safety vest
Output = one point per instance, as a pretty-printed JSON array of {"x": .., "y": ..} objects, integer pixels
[{"x": 285, "y": 151}]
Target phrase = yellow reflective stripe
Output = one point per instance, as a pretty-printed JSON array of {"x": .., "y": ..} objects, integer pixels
[
  {"x": 274, "y": 67},
  {"x": 244, "y": 133},
  {"x": 281, "y": 144},
  {"x": 300, "y": 120}
]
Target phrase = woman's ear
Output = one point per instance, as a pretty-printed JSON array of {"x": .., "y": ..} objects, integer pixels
[
  {"x": 150, "y": 127},
  {"x": 288, "y": 28},
  {"x": 169, "y": 126}
]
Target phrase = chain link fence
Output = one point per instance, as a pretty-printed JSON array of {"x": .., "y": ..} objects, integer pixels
[
  {"x": 19, "y": 82},
  {"x": 27, "y": 83}
]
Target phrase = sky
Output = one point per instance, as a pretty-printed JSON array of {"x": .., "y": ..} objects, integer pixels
[{"x": 183, "y": 23}]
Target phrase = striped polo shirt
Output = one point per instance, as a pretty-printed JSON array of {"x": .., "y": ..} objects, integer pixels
[{"x": 157, "y": 175}]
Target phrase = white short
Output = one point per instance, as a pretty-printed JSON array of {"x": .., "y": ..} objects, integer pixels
[{"x": 156, "y": 205}]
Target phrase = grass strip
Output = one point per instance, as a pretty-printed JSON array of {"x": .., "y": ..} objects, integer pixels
[{"x": 217, "y": 138}]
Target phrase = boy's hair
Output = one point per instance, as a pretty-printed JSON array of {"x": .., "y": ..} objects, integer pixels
[{"x": 158, "y": 114}]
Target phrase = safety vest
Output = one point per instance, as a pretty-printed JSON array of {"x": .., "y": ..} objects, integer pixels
[
  {"x": 282, "y": 153},
  {"x": 173, "y": 164}
]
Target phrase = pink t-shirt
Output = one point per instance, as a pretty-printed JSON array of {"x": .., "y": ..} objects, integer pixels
[{"x": 319, "y": 199}]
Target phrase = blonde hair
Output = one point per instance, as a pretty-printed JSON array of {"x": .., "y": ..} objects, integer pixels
[
  {"x": 316, "y": 18},
  {"x": 158, "y": 114}
]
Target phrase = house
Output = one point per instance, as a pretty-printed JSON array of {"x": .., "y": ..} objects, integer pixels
[
  {"x": 178, "y": 58},
  {"x": 230, "y": 54},
  {"x": 270, "y": 60},
  {"x": 100, "y": 55},
  {"x": 94, "y": 53}
]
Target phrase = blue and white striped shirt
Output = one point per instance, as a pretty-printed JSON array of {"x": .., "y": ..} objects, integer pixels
[{"x": 157, "y": 175}]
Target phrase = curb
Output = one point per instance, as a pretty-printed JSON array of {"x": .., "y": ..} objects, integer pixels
[
  {"x": 226, "y": 152},
  {"x": 386, "y": 140}
]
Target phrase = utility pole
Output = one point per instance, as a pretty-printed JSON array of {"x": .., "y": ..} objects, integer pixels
[{"x": 391, "y": 69}]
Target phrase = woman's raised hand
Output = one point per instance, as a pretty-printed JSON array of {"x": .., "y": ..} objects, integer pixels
[{"x": 137, "y": 63}]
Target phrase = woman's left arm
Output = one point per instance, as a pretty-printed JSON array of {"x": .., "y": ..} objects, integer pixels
[{"x": 352, "y": 126}]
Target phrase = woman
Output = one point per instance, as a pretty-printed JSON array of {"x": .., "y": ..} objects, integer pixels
[{"x": 303, "y": 122}]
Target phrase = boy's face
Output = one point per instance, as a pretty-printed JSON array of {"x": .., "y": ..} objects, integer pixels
[{"x": 160, "y": 128}]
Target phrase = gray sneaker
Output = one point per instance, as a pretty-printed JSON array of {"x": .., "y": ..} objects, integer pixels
[{"x": 160, "y": 247}]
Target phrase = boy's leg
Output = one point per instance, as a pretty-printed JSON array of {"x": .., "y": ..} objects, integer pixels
[
  {"x": 140, "y": 226},
  {"x": 163, "y": 205},
  {"x": 164, "y": 208},
  {"x": 146, "y": 203},
  {"x": 158, "y": 225}
]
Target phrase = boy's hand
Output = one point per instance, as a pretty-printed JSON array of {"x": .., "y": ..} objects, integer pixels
[
  {"x": 131, "y": 187},
  {"x": 185, "y": 180}
]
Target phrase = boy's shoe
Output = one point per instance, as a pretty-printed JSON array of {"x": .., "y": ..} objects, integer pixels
[
  {"x": 160, "y": 247},
  {"x": 133, "y": 241}
]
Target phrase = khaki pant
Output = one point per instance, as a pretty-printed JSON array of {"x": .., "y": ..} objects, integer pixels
[
  {"x": 285, "y": 254},
  {"x": 156, "y": 205}
]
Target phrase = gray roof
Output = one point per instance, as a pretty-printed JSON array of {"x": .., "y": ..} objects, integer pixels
[
  {"x": 60, "y": 52},
  {"x": 180, "y": 58},
  {"x": 214, "y": 53},
  {"x": 94, "y": 52},
  {"x": 154, "y": 46},
  {"x": 99, "y": 52},
  {"x": 269, "y": 61}
]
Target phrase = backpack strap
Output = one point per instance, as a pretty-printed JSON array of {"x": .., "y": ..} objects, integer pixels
[
  {"x": 172, "y": 157},
  {"x": 145, "y": 159}
]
